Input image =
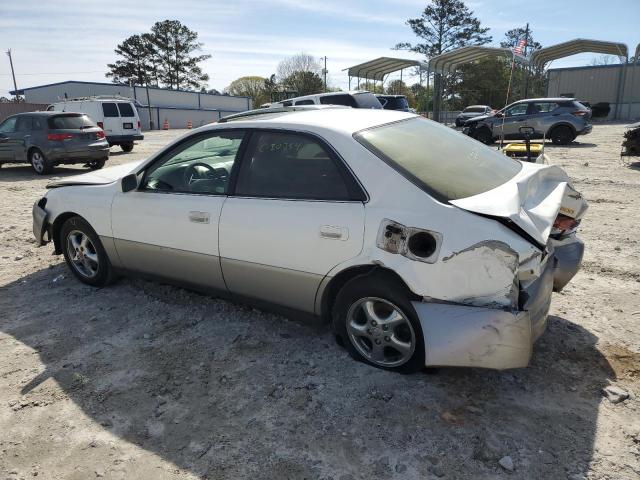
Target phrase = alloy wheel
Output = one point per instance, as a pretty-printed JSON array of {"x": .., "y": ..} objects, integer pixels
[
  {"x": 37, "y": 161},
  {"x": 381, "y": 332},
  {"x": 83, "y": 254}
]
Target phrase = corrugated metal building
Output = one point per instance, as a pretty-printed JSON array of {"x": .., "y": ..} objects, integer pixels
[
  {"x": 618, "y": 85},
  {"x": 176, "y": 106}
]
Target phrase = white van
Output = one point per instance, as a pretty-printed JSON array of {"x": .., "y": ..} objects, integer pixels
[{"x": 118, "y": 117}]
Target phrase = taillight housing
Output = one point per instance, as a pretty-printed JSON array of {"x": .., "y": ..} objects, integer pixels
[
  {"x": 580, "y": 113},
  {"x": 138, "y": 124},
  {"x": 565, "y": 223},
  {"x": 101, "y": 125},
  {"x": 100, "y": 134},
  {"x": 59, "y": 136}
]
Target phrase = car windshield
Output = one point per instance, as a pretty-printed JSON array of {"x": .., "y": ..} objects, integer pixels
[
  {"x": 70, "y": 122},
  {"x": 438, "y": 159},
  {"x": 474, "y": 110}
]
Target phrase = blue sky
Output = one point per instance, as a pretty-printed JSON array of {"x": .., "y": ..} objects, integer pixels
[{"x": 60, "y": 40}]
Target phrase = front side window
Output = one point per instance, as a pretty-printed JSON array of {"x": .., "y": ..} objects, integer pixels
[
  {"x": 126, "y": 110},
  {"x": 9, "y": 125},
  {"x": 438, "y": 159},
  {"x": 305, "y": 102},
  {"x": 291, "y": 166},
  {"x": 518, "y": 109},
  {"x": 202, "y": 165},
  {"x": 110, "y": 110}
]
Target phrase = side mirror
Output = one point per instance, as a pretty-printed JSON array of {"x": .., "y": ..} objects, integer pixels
[
  {"x": 128, "y": 183},
  {"x": 3, "y": 138}
]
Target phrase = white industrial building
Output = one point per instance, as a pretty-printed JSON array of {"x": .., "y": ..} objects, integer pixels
[{"x": 155, "y": 105}]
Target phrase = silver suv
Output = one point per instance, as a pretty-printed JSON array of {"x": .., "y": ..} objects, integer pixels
[{"x": 560, "y": 119}]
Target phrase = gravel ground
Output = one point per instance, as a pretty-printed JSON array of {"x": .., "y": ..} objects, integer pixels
[{"x": 142, "y": 380}]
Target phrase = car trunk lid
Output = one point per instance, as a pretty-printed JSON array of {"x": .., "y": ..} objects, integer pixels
[{"x": 531, "y": 200}]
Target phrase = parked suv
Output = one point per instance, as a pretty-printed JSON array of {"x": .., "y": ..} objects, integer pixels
[
  {"x": 394, "y": 102},
  {"x": 355, "y": 99},
  {"x": 560, "y": 119},
  {"x": 46, "y": 139},
  {"x": 118, "y": 118},
  {"x": 472, "y": 111}
]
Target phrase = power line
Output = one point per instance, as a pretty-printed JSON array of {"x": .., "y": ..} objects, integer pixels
[{"x": 54, "y": 73}]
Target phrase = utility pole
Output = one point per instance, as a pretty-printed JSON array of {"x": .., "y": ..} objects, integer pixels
[
  {"x": 13, "y": 74},
  {"x": 324, "y": 72},
  {"x": 526, "y": 65}
]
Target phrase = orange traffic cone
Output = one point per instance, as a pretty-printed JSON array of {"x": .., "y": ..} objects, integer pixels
[
  {"x": 189, "y": 125},
  {"x": 165, "y": 125}
]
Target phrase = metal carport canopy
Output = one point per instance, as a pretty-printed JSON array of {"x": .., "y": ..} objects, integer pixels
[
  {"x": 448, "y": 61},
  {"x": 380, "y": 67},
  {"x": 543, "y": 56}
]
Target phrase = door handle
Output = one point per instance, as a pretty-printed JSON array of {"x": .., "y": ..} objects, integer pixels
[
  {"x": 333, "y": 232},
  {"x": 199, "y": 217}
]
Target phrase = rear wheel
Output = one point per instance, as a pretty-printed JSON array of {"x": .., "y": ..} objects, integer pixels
[
  {"x": 96, "y": 164},
  {"x": 126, "y": 147},
  {"x": 562, "y": 135},
  {"x": 39, "y": 163},
  {"x": 376, "y": 323},
  {"x": 84, "y": 253}
]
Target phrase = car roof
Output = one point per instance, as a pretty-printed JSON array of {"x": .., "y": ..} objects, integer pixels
[
  {"x": 549, "y": 99},
  {"x": 43, "y": 113},
  {"x": 344, "y": 120},
  {"x": 477, "y": 106},
  {"x": 389, "y": 95}
]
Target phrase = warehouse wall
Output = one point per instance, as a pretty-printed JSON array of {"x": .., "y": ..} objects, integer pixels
[
  {"x": 179, "y": 117},
  {"x": 597, "y": 84}
]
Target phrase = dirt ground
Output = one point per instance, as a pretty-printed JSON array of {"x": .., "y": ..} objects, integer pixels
[{"x": 142, "y": 380}]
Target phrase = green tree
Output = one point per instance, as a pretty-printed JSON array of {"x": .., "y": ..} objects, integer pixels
[
  {"x": 252, "y": 86},
  {"x": 301, "y": 73},
  {"x": 483, "y": 83},
  {"x": 133, "y": 67},
  {"x": 513, "y": 36},
  {"x": 304, "y": 82},
  {"x": 176, "y": 44}
]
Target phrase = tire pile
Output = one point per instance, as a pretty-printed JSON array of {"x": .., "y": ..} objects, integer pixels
[{"x": 631, "y": 142}]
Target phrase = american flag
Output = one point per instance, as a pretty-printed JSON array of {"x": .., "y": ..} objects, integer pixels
[{"x": 519, "y": 48}]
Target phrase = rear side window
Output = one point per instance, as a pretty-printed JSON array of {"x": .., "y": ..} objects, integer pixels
[
  {"x": 9, "y": 125},
  {"x": 305, "y": 102},
  {"x": 70, "y": 122},
  {"x": 126, "y": 110},
  {"x": 110, "y": 110},
  {"x": 38, "y": 123},
  {"x": 366, "y": 100},
  {"x": 438, "y": 159},
  {"x": 474, "y": 110},
  {"x": 344, "y": 99},
  {"x": 543, "y": 107},
  {"x": 23, "y": 124},
  {"x": 290, "y": 165}
]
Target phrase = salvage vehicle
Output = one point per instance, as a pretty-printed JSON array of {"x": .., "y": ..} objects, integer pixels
[
  {"x": 560, "y": 119},
  {"x": 353, "y": 99},
  {"x": 346, "y": 214},
  {"x": 117, "y": 116},
  {"x": 472, "y": 111},
  {"x": 47, "y": 139}
]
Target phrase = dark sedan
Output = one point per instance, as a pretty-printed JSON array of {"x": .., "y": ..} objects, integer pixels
[{"x": 47, "y": 139}]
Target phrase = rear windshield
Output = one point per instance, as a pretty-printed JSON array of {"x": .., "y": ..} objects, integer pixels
[
  {"x": 394, "y": 103},
  {"x": 343, "y": 99},
  {"x": 70, "y": 122},
  {"x": 126, "y": 110},
  {"x": 366, "y": 100},
  {"x": 440, "y": 160},
  {"x": 474, "y": 110}
]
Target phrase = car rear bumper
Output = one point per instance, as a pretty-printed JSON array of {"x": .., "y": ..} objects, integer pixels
[
  {"x": 468, "y": 336},
  {"x": 117, "y": 139},
  {"x": 80, "y": 155},
  {"x": 587, "y": 129},
  {"x": 568, "y": 252}
]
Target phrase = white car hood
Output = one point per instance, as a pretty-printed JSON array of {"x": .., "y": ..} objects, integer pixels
[
  {"x": 532, "y": 200},
  {"x": 97, "y": 177}
]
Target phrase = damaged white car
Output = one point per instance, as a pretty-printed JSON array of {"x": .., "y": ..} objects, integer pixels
[{"x": 421, "y": 246}]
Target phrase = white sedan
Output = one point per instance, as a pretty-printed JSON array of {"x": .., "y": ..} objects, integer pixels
[{"x": 421, "y": 246}]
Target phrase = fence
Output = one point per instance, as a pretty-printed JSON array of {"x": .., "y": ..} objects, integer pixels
[{"x": 8, "y": 109}]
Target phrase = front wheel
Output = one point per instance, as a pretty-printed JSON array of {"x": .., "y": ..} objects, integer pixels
[
  {"x": 84, "y": 253},
  {"x": 377, "y": 324},
  {"x": 39, "y": 163},
  {"x": 483, "y": 135},
  {"x": 127, "y": 147}
]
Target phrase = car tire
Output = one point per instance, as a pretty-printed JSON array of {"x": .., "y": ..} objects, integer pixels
[
  {"x": 97, "y": 164},
  {"x": 562, "y": 135},
  {"x": 483, "y": 135},
  {"x": 39, "y": 163},
  {"x": 374, "y": 320},
  {"x": 84, "y": 253},
  {"x": 126, "y": 147}
]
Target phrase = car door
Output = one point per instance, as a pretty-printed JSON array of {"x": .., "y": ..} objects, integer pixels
[
  {"x": 515, "y": 116},
  {"x": 20, "y": 137},
  {"x": 7, "y": 128},
  {"x": 295, "y": 213},
  {"x": 112, "y": 125},
  {"x": 541, "y": 117},
  {"x": 168, "y": 226}
]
